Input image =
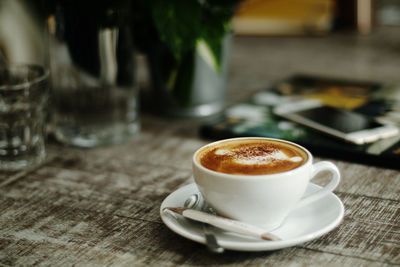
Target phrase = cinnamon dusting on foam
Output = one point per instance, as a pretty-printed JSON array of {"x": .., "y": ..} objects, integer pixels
[{"x": 252, "y": 157}]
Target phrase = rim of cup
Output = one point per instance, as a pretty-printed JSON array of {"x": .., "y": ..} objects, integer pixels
[
  {"x": 255, "y": 176},
  {"x": 43, "y": 75}
]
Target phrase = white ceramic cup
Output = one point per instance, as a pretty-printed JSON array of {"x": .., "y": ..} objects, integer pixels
[{"x": 263, "y": 200}]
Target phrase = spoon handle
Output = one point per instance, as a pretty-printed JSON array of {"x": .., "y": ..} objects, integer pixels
[
  {"x": 225, "y": 223},
  {"x": 211, "y": 241}
]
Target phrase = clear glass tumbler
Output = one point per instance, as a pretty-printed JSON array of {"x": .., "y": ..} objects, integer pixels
[
  {"x": 24, "y": 94},
  {"x": 92, "y": 62}
]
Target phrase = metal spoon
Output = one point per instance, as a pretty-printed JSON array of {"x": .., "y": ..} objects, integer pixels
[{"x": 211, "y": 241}]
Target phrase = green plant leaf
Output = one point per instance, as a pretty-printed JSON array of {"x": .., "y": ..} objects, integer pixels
[
  {"x": 178, "y": 23},
  {"x": 185, "y": 27}
]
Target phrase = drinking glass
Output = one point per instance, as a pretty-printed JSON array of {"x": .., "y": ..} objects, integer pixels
[
  {"x": 92, "y": 62},
  {"x": 24, "y": 94}
]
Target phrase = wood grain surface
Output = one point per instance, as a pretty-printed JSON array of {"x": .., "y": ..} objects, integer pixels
[{"x": 100, "y": 207}]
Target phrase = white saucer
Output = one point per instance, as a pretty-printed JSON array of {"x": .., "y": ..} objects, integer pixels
[{"x": 304, "y": 224}]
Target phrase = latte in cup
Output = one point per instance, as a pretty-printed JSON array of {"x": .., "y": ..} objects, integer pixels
[
  {"x": 252, "y": 156},
  {"x": 258, "y": 180}
]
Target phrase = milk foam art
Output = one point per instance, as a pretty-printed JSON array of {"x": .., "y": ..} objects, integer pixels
[{"x": 265, "y": 158}]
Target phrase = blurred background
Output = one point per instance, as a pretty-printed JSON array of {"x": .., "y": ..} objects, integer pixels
[
  {"x": 273, "y": 39},
  {"x": 282, "y": 37},
  {"x": 22, "y": 32},
  {"x": 357, "y": 39},
  {"x": 198, "y": 58}
]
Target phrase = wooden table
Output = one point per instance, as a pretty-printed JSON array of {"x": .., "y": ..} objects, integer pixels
[{"x": 100, "y": 207}]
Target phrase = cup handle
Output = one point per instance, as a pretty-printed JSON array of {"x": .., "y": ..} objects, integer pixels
[{"x": 319, "y": 167}]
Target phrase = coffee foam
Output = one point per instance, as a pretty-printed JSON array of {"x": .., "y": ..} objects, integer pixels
[
  {"x": 252, "y": 156},
  {"x": 263, "y": 159}
]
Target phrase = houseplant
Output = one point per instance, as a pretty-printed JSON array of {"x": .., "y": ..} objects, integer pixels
[{"x": 187, "y": 46}]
